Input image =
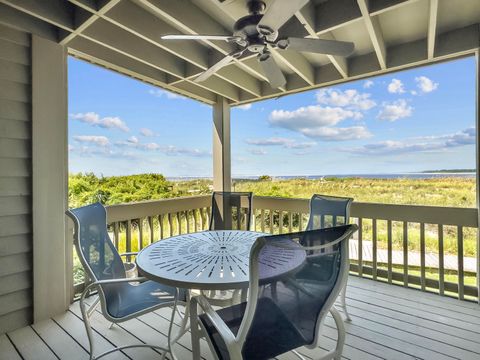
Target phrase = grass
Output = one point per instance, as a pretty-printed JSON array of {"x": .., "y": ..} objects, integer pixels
[{"x": 447, "y": 191}]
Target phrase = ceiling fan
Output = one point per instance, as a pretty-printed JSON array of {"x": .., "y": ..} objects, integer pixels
[{"x": 258, "y": 33}]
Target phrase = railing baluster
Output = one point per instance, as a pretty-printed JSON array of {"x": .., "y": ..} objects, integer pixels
[
  {"x": 422, "y": 256},
  {"x": 116, "y": 234},
  {"x": 441, "y": 272},
  {"x": 262, "y": 220},
  {"x": 405, "y": 253},
  {"x": 290, "y": 221},
  {"x": 195, "y": 219},
  {"x": 389, "y": 250},
  {"x": 271, "y": 221},
  {"x": 460, "y": 262},
  {"x": 140, "y": 234},
  {"x": 150, "y": 226},
  {"x": 360, "y": 247},
  {"x": 128, "y": 245},
  {"x": 207, "y": 217},
  {"x": 280, "y": 222},
  {"x": 300, "y": 222},
  {"x": 170, "y": 225},
  {"x": 160, "y": 224},
  {"x": 187, "y": 219},
  {"x": 178, "y": 216},
  {"x": 374, "y": 249}
]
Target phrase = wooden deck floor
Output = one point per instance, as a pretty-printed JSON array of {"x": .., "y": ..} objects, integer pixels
[{"x": 389, "y": 322}]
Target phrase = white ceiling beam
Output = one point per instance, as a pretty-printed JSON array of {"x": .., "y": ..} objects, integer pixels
[
  {"x": 306, "y": 16},
  {"x": 83, "y": 18},
  {"x": 375, "y": 32},
  {"x": 453, "y": 44},
  {"x": 83, "y": 49},
  {"x": 130, "y": 45},
  {"x": 149, "y": 27},
  {"x": 297, "y": 63},
  {"x": 432, "y": 28},
  {"x": 115, "y": 38},
  {"x": 194, "y": 22}
]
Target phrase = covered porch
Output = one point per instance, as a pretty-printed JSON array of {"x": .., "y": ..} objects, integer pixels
[
  {"x": 388, "y": 322},
  {"x": 403, "y": 306}
]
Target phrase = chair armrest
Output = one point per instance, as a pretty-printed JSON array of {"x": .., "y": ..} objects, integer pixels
[
  {"x": 216, "y": 320},
  {"x": 116, "y": 281},
  {"x": 129, "y": 254}
]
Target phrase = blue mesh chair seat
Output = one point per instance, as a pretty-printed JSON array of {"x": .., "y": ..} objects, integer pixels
[
  {"x": 286, "y": 311},
  {"x": 271, "y": 333},
  {"x": 125, "y": 299}
]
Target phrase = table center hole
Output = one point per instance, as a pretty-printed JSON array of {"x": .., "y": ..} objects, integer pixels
[{"x": 223, "y": 247}]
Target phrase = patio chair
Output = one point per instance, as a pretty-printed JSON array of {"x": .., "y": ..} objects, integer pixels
[
  {"x": 231, "y": 211},
  {"x": 270, "y": 324},
  {"x": 327, "y": 211},
  {"x": 121, "y": 298}
]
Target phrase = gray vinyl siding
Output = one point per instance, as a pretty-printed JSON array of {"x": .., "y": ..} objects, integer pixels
[{"x": 15, "y": 180}]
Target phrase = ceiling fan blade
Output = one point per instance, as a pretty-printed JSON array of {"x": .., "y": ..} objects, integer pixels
[
  {"x": 213, "y": 69},
  {"x": 272, "y": 70},
  {"x": 201, "y": 37},
  {"x": 278, "y": 14},
  {"x": 320, "y": 46}
]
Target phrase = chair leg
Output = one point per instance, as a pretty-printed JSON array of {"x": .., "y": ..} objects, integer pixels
[
  {"x": 86, "y": 322},
  {"x": 336, "y": 353},
  {"x": 344, "y": 303}
]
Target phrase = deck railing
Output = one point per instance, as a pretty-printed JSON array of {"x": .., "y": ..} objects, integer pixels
[{"x": 414, "y": 246}]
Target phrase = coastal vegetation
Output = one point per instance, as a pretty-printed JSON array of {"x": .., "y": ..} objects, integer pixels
[{"x": 441, "y": 191}]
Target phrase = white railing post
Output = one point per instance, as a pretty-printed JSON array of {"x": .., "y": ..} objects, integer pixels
[
  {"x": 477, "y": 163},
  {"x": 222, "y": 172}
]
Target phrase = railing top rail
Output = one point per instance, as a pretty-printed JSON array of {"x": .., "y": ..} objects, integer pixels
[
  {"x": 123, "y": 212},
  {"x": 410, "y": 213}
]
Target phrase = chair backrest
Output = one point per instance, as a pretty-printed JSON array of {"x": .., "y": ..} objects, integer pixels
[
  {"x": 305, "y": 294},
  {"x": 96, "y": 251},
  {"x": 327, "y": 211},
  {"x": 231, "y": 211}
]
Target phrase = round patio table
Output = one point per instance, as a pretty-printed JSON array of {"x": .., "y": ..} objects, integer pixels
[{"x": 213, "y": 260}]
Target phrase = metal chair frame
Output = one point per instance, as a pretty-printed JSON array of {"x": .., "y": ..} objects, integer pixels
[
  {"x": 235, "y": 343},
  {"x": 97, "y": 285},
  {"x": 310, "y": 226}
]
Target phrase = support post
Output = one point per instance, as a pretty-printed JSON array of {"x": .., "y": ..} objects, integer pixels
[
  {"x": 51, "y": 263},
  {"x": 222, "y": 172},
  {"x": 477, "y": 163}
]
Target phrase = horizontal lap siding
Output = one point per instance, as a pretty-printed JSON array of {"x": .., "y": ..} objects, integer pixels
[{"x": 15, "y": 180}]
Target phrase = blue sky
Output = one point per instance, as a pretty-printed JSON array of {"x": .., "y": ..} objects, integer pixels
[{"x": 409, "y": 121}]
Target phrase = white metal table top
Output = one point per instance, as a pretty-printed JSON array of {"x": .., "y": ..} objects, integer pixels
[{"x": 209, "y": 260}]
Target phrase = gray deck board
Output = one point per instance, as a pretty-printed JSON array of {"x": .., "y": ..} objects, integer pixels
[{"x": 389, "y": 322}]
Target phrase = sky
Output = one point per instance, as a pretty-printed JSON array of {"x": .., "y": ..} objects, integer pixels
[{"x": 409, "y": 121}]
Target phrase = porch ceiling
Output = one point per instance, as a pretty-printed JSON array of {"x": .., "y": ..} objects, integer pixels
[{"x": 124, "y": 35}]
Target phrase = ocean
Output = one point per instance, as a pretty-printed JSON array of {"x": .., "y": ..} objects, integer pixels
[{"x": 365, "y": 176}]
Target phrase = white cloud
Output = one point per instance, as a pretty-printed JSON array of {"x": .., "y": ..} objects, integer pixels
[
  {"x": 133, "y": 140},
  {"x": 257, "y": 151},
  {"x": 350, "y": 99},
  {"x": 244, "y": 107},
  {"x": 417, "y": 145},
  {"x": 395, "y": 110},
  {"x": 284, "y": 142},
  {"x": 167, "y": 94},
  {"x": 93, "y": 139},
  {"x": 269, "y": 142},
  {"x": 94, "y": 119},
  {"x": 396, "y": 87},
  {"x": 425, "y": 84},
  {"x": 146, "y": 132},
  {"x": 368, "y": 84},
  {"x": 338, "y": 134},
  {"x": 311, "y": 116}
]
